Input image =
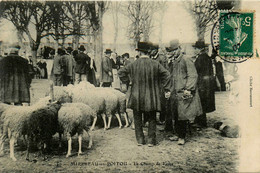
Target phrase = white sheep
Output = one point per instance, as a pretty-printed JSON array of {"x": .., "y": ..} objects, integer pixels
[
  {"x": 104, "y": 102},
  {"x": 16, "y": 121},
  {"x": 74, "y": 118},
  {"x": 112, "y": 104},
  {"x": 121, "y": 104},
  {"x": 110, "y": 92},
  {"x": 92, "y": 99}
]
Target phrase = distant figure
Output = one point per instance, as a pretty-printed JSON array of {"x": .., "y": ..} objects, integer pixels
[
  {"x": 43, "y": 69},
  {"x": 92, "y": 72},
  {"x": 58, "y": 68},
  {"x": 82, "y": 65},
  {"x": 15, "y": 79},
  {"x": 106, "y": 65},
  {"x": 70, "y": 67}
]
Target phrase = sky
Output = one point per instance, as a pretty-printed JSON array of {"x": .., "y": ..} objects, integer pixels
[{"x": 177, "y": 24}]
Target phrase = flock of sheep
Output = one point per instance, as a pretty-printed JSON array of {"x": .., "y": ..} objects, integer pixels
[{"x": 67, "y": 110}]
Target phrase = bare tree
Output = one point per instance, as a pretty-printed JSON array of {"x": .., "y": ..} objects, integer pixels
[
  {"x": 140, "y": 14},
  {"x": 115, "y": 8},
  {"x": 204, "y": 12},
  {"x": 162, "y": 6},
  {"x": 19, "y": 13},
  {"x": 76, "y": 12}
]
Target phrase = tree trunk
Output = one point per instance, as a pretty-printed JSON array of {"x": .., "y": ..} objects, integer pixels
[
  {"x": 20, "y": 38},
  {"x": 115, "y": 25},
  {"x": 75, "y": 42},
  {"x": 201, "y": 33}
]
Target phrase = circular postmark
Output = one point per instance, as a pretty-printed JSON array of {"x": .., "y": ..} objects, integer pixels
[{"x": 232, "y": 36}]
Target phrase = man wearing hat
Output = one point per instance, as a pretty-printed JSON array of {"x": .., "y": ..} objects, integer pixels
[
  {"x": 147, "y": 77},
  {"x": 106, "y": 72},
  {"x": 165, "y": 116},
  {"x": 15, "y": 79},
  {"x": 82, "y": 65},
  {"x": 70, "y": 67},
  {"x": 185, "y": 102},
  {"x": 58, "y": 68},
  {"x": 206, "y": 82}
]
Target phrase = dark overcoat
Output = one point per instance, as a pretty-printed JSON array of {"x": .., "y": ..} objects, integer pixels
[
  {"x": 147, "y": 76},
  {"x": 14, "y": 80},
  {"x": 206, "y": 82},
  {"x": 185, "y": 77},
  {"x": 92, "y": 75},
  {"x": 106, "y": 66},
  {"x": 82, "y": 63}
]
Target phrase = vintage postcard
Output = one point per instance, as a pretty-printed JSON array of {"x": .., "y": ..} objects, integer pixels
[{"x": 130, "y": 86}]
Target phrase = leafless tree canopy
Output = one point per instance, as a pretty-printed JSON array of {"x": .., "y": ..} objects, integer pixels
[{"x": 140, "y": 14}]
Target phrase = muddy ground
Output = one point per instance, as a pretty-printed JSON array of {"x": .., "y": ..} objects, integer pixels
[{"x": 115, "y": 150}]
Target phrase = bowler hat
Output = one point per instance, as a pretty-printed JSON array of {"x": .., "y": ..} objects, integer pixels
[
  {"x": 199, "y": 44},
  {"x": 143, "y": 46},
  {"x": 108, "y": 51},
  {"x": 69, "y": 49},
  {"x": 174, "y": 44},
  {"x": 81, "y": 48}
]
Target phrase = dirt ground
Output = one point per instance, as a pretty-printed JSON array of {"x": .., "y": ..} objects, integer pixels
[{"x": 115, "y": 150}]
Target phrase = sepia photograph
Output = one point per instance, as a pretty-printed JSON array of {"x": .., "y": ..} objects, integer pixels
[{"x": 130, "y": 86}]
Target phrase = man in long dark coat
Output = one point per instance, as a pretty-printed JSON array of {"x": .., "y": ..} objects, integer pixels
[
  {"x": 185, "y": 99},
  {"x": 106, "y": 65},
  {"x": 206, "y": 83},
  {"x": 14, "y": 79},
  {"x": 165, "y": 115},
  {"x": 147, "y": 76},
  {"x": 82, "y": 65}
]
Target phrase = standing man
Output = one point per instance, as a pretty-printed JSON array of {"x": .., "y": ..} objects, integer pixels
[
  {"x": 165, "y": 115},
  {"x": 185, "y": 99},
  {"x": 58, "y": 68},
  {"x": 82, "y": 65},
  {"x": 106, "y": 65},
  {"x": 70, "y": 66},
  {"x": 15, "y": 79},
  {"x": 147, "y": 76},
  {"x": 206, "y": 82}
]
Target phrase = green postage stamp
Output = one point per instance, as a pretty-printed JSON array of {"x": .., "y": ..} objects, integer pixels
[{"x": 236, "y": 34}]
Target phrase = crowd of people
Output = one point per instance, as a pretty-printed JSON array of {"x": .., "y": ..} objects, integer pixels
[{"x": 177, "y": 85}]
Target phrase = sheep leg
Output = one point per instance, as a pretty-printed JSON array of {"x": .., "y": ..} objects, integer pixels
[
  {"x": 12, "y": 141},
  {"x": 119, "y": 120},
  {"x": 90, "y": 141},
  {"x": 109, "y": 121},
  {"x": 60, "y": 137},
  {"x": 126, "y": 120},
  {"x": 2, "y": 140},
  {"x": 80, "y": 144},
  {"x": 94, "y": 123},
  {"x": 69, "y": 145},
  {"x": 28, "y": 147},
  {"x": 105, "y": 121}
]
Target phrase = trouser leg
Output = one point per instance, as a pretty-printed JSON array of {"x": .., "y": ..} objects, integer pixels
[
  {"x": 152, "y": 128},
  {"x": 181, "y": 128},
  {"x": 201, "y": 120},
  {"x": 106, "y": 84},
  {"x": 139, "y": 134}
]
